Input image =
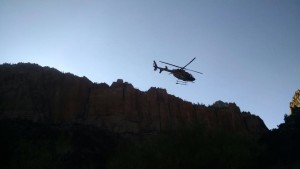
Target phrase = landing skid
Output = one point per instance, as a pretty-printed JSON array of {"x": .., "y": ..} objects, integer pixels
[{"x": 181, "y": 82}]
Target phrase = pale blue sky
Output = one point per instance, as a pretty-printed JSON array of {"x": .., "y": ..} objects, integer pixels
[{"x": 248, "y": 50}]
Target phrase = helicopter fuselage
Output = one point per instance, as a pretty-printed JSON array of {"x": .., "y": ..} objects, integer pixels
[{"x": 182, "y": 75}]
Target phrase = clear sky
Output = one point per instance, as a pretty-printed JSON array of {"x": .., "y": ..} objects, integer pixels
[{"x": 248, "y": 50}]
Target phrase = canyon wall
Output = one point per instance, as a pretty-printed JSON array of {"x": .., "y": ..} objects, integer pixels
[{"x": 43, "y": 94}]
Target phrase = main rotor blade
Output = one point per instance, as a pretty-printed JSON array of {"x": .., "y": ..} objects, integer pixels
[
  {"x": 189, "y": 63},
  {"x": 182, "y": 67},
  {"x": 194, "y": 71},
  {"x": 171, "y": 64}
]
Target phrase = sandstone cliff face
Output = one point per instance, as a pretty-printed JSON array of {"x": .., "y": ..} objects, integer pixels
[
  {"x": 28, "y": 91},
  {"x": 41, "y": 94},
  {"x": 295, "y": 103}
]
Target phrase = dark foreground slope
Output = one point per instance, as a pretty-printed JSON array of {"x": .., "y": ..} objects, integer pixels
[{"x": 26, "y": 145}]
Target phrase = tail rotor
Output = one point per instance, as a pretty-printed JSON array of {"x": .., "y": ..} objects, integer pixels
[{"x": 154, "y": 65}]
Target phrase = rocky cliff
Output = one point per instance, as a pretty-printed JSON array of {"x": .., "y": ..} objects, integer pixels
[
  {"x": 43, "y": 94},
  {"x": 295, "y": 103}
]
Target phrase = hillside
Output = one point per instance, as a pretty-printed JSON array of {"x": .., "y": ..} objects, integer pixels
[
  {"x": 50, "y": 119},
  {"x": 43, "y": 94}
]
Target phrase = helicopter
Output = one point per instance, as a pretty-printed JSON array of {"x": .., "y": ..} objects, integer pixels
[{"x": 181, "y": 73}]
